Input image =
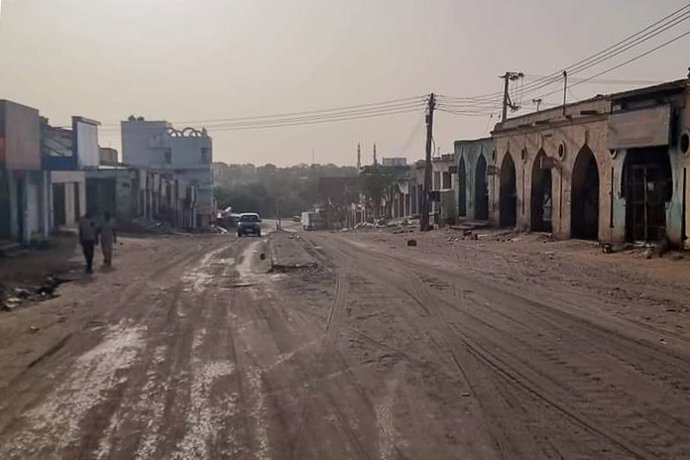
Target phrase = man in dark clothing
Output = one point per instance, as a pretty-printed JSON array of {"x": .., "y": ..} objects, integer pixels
[{"x": 88, "y": 238}]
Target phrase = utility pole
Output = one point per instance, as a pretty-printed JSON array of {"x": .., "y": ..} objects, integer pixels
[
  {"x": 538, "y": 102},
  {"x": 565, "y": 89},
  {"x": 508, "y": 77},
  {"x": 359, "y": 157},
  {"x": 424, "y": 218}
]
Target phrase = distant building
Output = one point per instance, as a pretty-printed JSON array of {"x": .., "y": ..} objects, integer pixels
[
  {"x": 108, "y": 156},
  {"x": 187, "y": 153},
  {"x": 394, "y": 161},
  {"x": 221, "y": 171}
]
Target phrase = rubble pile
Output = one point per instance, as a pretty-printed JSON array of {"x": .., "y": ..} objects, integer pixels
[{"x": 13, "y": 298}]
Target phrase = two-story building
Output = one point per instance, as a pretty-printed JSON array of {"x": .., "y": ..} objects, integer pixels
[{"x": 186, "y": 153}]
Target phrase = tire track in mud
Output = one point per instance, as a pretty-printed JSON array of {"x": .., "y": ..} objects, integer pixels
[
  {"x": 141, "y": 382},
  {"x": 516, "y": 378},
  {"x": 328, "y": 343},
  {"x": 380, "y": 274}
]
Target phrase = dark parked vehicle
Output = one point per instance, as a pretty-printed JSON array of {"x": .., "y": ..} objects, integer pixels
[{"x": 249, "y": 224}]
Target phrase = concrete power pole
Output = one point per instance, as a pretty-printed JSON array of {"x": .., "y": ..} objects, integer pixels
[
  {"x": 359, "y": 157},
  {"x": 424, "y": 218},
  {"x": 508, "y": 77}
]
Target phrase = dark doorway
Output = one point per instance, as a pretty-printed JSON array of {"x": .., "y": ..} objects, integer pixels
[
  {"x": 60, "y": 215},
  {"x": 462, "y": 189},
  {"x": 481, "y": 191},
  {"x": 541, "y": 202},
  {"x": 508, "y": 194},
  {"x": 584, "y": 205},
  {"x": 648, "y": 186}
]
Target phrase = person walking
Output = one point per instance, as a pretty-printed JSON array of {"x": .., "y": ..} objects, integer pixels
[
  {"x": 108, "y": 238},
  {"x": 88, "y": 238}
]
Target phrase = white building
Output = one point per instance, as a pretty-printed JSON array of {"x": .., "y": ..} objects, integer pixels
[{"x": 187, "y": 153}]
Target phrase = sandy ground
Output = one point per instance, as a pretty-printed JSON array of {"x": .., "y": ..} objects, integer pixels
[{"x": 194, "y": 348}]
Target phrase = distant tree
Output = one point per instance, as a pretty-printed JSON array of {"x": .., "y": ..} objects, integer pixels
[
  {"x": 379, "y": 183},
  {"x": 265, "y": 188}
]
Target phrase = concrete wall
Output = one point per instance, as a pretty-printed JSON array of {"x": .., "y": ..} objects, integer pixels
[
  {"x": 144, "y": 143},
  {"x": 27, "y": 195},
  {"x": 20, "y": 137},
  {"x": 684, "y": 159},
  {"x": 685, "y": 130}
]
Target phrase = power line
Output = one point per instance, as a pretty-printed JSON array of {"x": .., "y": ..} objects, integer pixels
[
  {"x": 310, "y": 122},
  {"x": 611, "y": 55},
  {"x": 381, "y": 104},
  {"x": 616, "y": 67},
  {"x": 408, "y": 142},
  {"x": 607, "y": 81},
  {"x": 322, "y": 117},
  {"x": 319, "y": 116},
  {"x": 608, "y": 53}
]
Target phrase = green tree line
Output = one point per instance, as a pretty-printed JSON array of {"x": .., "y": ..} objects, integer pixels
[{"x": 270, "y": 190}]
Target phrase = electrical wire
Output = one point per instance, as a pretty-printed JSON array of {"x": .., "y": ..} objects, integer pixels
[
  {"x": 408, "y": 142},
  {"x": 395, "y": 103},
  {"x": 310, "y": 122},
  {"x": 328, "y": 115},
  {"x": 672, "y": 20},
  {"x": 616, "y": 67}
]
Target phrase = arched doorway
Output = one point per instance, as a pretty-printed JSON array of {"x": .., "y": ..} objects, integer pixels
[
  {"x": 481, "y": 191},
  {"x": 462, "y": 188},
  {"x": 541, "y": 203},
  {"x": 647, "y": 187},
  {"x": 584, "y": 207},
  {"x": 508, "y": 193}
]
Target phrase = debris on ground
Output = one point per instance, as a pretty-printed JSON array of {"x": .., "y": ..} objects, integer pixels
[
  {"x": 286, "y": 254},
  {"x": 412, "y": 243}
]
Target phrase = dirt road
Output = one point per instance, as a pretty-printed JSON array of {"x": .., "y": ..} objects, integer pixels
[{"x": 192, "y": 349}]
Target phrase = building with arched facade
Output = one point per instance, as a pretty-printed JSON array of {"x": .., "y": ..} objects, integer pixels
[{"x": 612, "y": 168}]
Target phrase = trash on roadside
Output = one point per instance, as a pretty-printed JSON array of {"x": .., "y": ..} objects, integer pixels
[
  {"x": 22, "y": 293},
  {"x": 412, "y": 243},
  {"x": 33, "y": 329}
]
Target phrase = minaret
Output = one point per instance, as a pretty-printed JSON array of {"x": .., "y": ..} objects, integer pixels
[
  {"x": 359, "y": 156},
  {"x": 375, "y": 161}
]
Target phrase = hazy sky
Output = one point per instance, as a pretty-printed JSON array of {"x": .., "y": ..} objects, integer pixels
[{"x": 208, "y": 59}]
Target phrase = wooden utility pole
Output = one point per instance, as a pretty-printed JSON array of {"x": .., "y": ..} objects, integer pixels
[{"x": 424, "y": 218}]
